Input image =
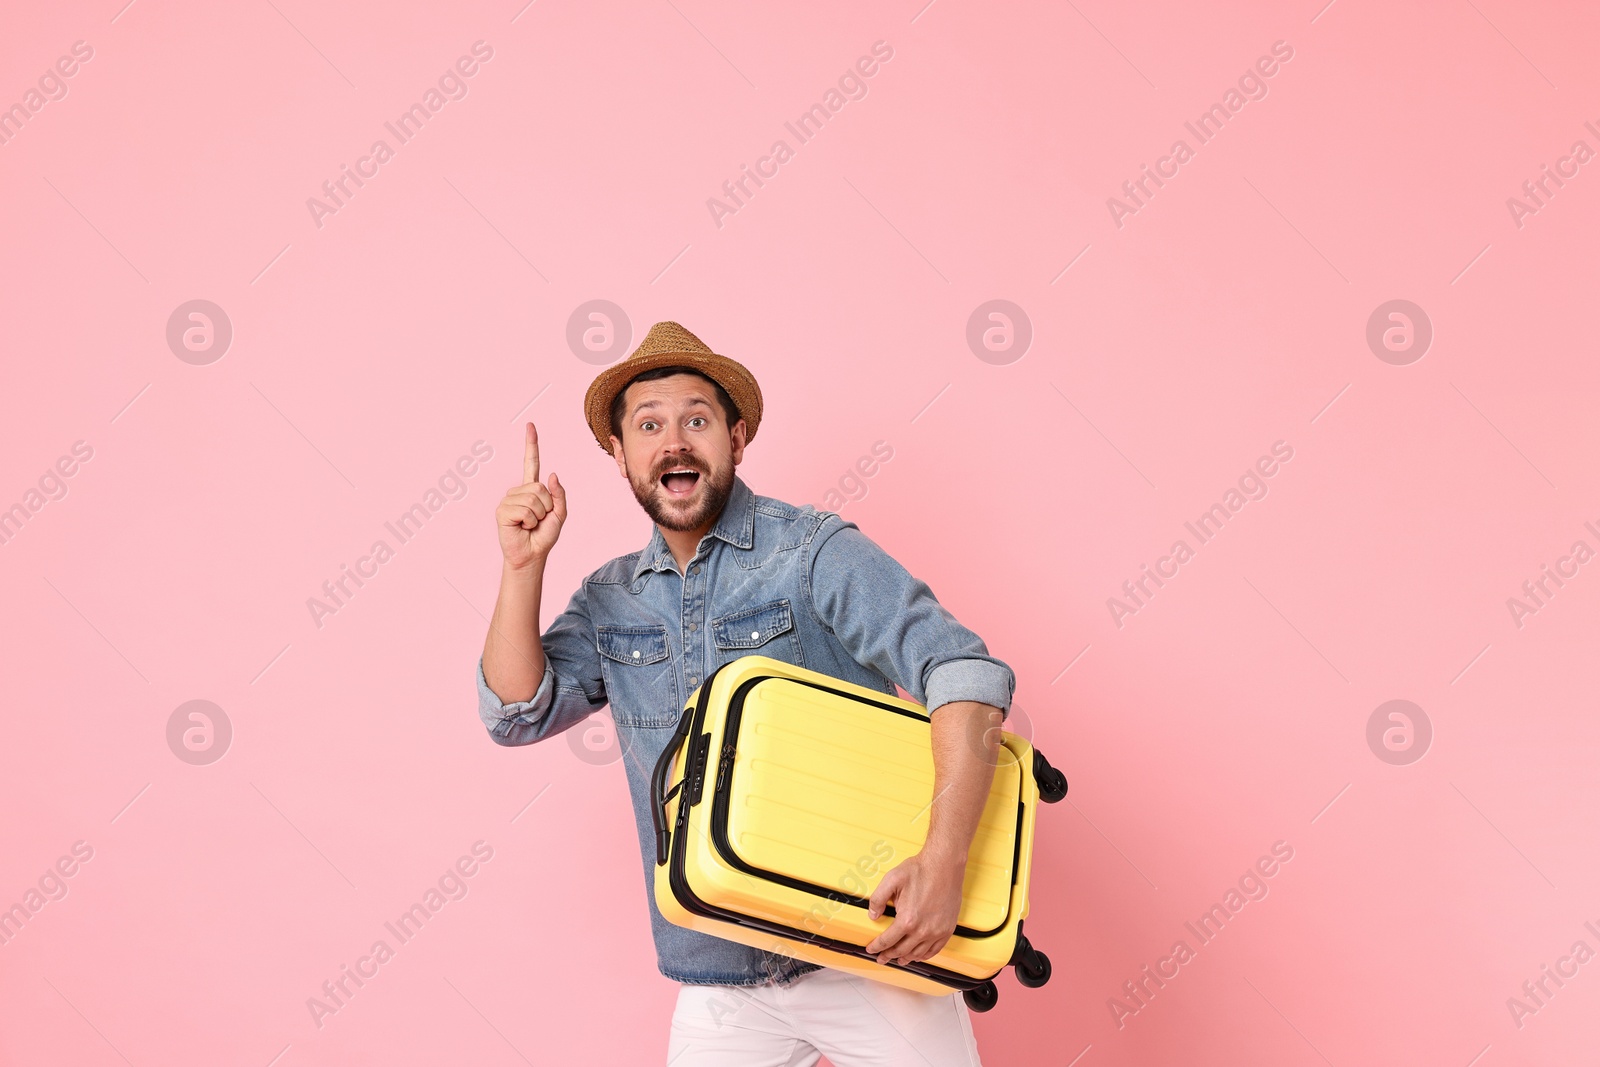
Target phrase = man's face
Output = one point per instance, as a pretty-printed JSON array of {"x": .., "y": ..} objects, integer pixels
[{"x": 676, "y": 424}]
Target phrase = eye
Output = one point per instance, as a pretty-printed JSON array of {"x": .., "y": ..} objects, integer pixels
[
  {"x": 698, "y": 418},
  {"x": 646, "y": 424}
]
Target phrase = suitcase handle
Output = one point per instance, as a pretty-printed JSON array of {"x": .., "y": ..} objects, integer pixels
[{"x": 658, "y": 785}]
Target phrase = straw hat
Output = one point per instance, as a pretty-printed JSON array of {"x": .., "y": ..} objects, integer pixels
[{"x": 668, "y": 344}]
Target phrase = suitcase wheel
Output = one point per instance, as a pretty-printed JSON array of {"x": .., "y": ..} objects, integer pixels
[
  {"x": 1052, "y": 783},
  {"x": 981, "y": 998},
  {"x": 1032, "y": 966},
  {"x": 1054, "y": 787},
  {"x": 1036, "y": 972}
]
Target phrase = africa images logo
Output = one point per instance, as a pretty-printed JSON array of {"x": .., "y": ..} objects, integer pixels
[
  {"x": 1252, "y": 85},
  {"x": 852, "y": 85},
  {"x": 451, "y": 85}
]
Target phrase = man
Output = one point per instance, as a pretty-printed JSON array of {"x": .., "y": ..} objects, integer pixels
[{"x": 729, "y": 573}]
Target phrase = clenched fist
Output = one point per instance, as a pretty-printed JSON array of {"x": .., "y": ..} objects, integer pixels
[{"x": 531, "y": 514}]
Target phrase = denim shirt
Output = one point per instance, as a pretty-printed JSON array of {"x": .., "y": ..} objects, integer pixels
[{"x": 795, "y": 583}]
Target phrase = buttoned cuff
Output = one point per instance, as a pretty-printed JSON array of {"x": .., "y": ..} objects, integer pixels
[{"x": 984, "y": 680}]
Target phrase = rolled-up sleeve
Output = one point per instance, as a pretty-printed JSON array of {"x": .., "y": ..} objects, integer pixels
[
  {"x": 891, "y": 621},
  {"x": 571, "y": 690}
]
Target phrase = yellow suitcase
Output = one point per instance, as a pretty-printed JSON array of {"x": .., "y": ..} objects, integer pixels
[{"x": 796, "y": 792}]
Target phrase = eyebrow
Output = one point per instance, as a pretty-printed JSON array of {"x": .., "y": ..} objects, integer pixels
[{"x": 641, "y": 406}]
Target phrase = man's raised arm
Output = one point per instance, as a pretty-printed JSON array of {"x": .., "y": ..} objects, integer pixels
[{"x": 517, "y": 683}]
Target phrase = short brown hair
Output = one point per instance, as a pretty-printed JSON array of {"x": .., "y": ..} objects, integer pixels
[{"x": 729, "y": 410}]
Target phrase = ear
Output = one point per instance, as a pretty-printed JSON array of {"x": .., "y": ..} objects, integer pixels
[
  {"x": 617, "y": 454},
  {"x": 736, "y": 440}
]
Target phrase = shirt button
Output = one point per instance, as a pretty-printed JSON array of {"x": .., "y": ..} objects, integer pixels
[
  {"x": 692, "y": 626},
  {"x": 636, "y": 653},
  {"x": 695, "y": 569},
  {"x": 753, "y": 636}
]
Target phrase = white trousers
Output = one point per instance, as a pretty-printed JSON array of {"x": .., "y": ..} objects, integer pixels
[{"x": 854, "y": 1021}]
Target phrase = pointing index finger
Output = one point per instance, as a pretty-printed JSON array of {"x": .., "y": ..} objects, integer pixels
[{"x": 530, "y": 456}]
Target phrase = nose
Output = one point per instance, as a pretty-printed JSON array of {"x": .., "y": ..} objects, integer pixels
[{"x": 676, "y": 444}]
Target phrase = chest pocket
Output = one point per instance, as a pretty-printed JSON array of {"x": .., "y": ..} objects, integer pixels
[
  {"x": 640, "y": 680},
  {"x": 767, "y": 630}
]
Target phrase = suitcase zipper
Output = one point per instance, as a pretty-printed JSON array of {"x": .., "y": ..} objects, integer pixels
[{"x": 724, "y": 765}]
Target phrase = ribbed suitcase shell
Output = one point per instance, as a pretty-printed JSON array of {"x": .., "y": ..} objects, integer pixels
[{"x": 803, "y": 790}]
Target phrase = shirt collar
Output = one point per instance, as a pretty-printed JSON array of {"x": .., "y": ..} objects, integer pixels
[{"x": 736, "y": 525}]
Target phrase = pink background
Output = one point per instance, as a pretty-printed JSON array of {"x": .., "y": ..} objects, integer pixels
[{"x": 431, "y": 312}]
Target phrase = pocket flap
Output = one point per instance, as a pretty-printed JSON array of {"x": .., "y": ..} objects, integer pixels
[
  {"x": 637, "y": 645},
  {"x": 753, "y": 626}
]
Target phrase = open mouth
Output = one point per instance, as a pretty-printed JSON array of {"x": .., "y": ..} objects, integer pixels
[{"x": 680, "y": 481}]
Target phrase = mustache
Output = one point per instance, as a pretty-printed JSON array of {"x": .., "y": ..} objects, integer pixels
[{"x": 682, "y": 464}]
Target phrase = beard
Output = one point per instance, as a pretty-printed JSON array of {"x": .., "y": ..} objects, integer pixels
[{"x": 711, "y": 493}]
